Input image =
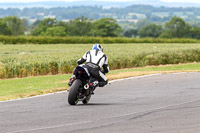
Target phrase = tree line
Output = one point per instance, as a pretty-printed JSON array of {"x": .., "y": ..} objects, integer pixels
[
  {"x": 104, "y": 27},
  {"x": 175, "y": 28},
  {"x": 78, "y": 27}
]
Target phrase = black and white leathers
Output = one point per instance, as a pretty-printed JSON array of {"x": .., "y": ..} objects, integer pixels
[{"x": 95, "y": 60}]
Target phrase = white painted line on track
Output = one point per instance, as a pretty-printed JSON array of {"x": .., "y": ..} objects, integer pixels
[
  {"x": 52, "y": 127},
  {"x": 117, "y": 80},
  {"x": 144, "y": 76},
  {"x": 33, "y": 97},
  {"x": 180, "y": 73},
  {"x": 112, "y": 117}
]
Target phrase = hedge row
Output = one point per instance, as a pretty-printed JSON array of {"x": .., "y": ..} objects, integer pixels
[
  {"x": 24, "y": 69},
  {"x": 87, "y": 40}
]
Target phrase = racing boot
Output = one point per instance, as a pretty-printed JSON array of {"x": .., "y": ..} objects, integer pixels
[
  {"x": 93, "y": 85},
  {"x": 71, "y": 80},
  {"x": 103, "y": 83}
]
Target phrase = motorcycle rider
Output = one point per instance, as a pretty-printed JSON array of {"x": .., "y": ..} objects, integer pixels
[{"x": 95, "y": 59}]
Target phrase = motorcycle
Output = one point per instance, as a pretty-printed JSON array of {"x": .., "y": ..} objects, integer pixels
[{"x": 83, "y": 85}]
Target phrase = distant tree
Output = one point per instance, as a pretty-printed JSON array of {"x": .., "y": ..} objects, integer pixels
[
  {"x": 106, "y": 27},
  {"x": 4, "y": 29},
  {"x": 131, "y": 33},
  {"x": 195, "y": 32},
  {"x": 194, "y": 24},
  {"x": 48, "y": 22},
  {"x": 38, "y": 30},
  {"x": 24, "y": 23},
  {"x": 61, "y": 23},
  {"x": 142, "y": 23},
  {"x": 43, "y": 25},
  {"x": 15, "y": 25},
  {"x": 79, "y": 27},
  {"x": 176, "y": 28},
  {"x": 35, "y": 23},
  {"x": 54, "y": 31},
  {"x": 151, "y": 30}
]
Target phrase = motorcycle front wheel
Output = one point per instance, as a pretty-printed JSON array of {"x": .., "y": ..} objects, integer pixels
[
  {"x": 73, "y": 96},
  {"x": 86, "y": 99}
]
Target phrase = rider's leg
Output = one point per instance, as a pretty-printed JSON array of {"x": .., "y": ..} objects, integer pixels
[
  {"x": 102, "y": 79},
  {"x": 71, "y": 80},
  {"x": 98, "y": 75}
]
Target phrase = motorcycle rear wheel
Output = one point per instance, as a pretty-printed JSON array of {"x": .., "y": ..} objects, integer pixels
[{"x": 73, "y": 96}]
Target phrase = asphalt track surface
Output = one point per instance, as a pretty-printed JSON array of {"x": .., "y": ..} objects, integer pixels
[{"x": 166, "y": 103}]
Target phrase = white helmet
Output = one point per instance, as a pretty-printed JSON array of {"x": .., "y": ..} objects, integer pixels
[{"x": 97, "y": 47}]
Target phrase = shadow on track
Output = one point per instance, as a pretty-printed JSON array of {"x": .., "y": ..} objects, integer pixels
[{"x": 95, "y": 104}]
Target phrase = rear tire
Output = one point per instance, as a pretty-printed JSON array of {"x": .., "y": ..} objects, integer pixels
[{"x": 73, "y": 96}]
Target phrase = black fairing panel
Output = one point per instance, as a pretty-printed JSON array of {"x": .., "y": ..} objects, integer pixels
[{"x": 80, "y": 73}]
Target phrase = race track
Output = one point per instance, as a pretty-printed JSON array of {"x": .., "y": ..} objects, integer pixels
[{"x": 166, "y": 103}]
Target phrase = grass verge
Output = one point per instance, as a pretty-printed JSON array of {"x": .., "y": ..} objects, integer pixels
[{"x": 32, "y": 86}]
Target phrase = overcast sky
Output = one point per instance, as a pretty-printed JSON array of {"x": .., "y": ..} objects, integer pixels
[{"x": 179, "y": 1}]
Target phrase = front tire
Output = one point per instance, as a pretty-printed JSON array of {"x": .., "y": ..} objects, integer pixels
[
  {"x": 86, "y": 99},
  {"x": 73, "y": 96}
]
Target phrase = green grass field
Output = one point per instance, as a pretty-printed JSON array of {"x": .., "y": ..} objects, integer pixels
[
  {"x": 26, "y": 87},
  {"x": 34, "y": 60}
]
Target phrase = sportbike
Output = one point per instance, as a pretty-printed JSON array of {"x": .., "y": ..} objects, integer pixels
[{"x": 83, "y": 85}]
